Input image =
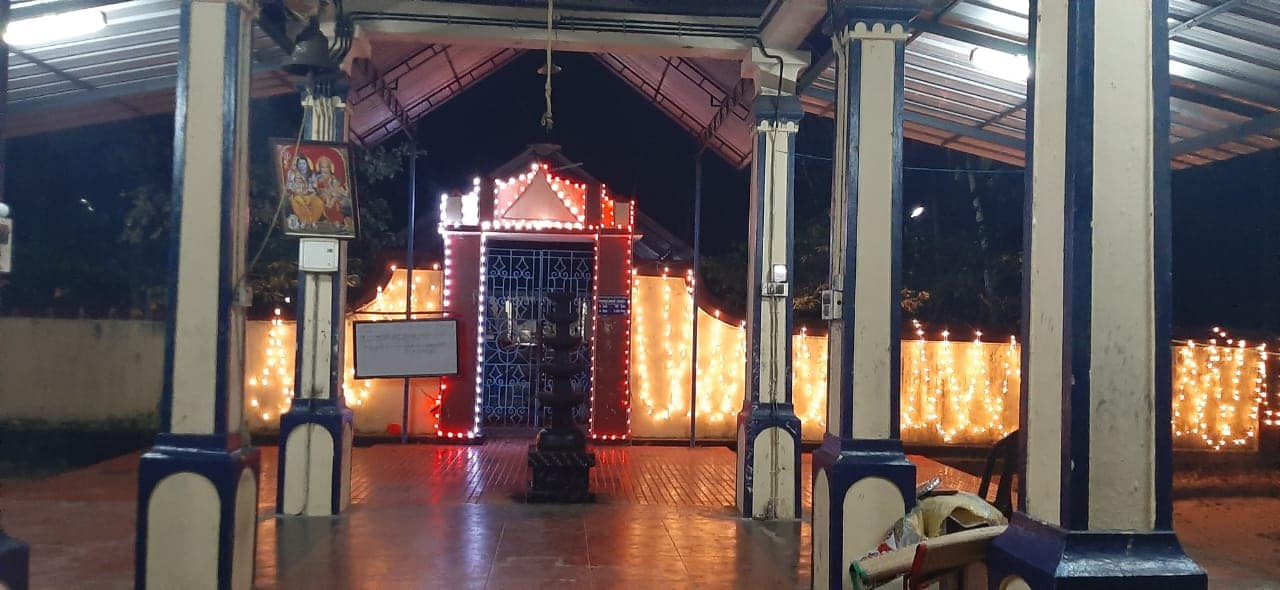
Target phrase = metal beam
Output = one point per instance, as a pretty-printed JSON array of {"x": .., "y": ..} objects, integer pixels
[
  {"x": 934, "y": 16},
  {"x": 389, "y": 98},
  {"x": 1259, "y": 126},
  {"x": 973, "y": 37},
  {"x": 1199, "y": 19},
  {"x": 591, "y": 31},
  {"x": 991, "y": 120},
  {"x": 731, "y": 100},
  {"x": 1192, "y": 94},
  {"x": 959, "y": 130},
  {"x": 815, "y": 70},
  {"x": 956, "y": 129}
]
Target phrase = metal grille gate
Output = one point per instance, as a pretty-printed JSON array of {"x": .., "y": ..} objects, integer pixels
[{"x": 518, "y": 277}]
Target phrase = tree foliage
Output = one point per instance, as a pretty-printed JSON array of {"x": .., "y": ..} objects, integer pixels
[
  {"x": 273, "y": 272},
  {"x": 961, "y": 259}
]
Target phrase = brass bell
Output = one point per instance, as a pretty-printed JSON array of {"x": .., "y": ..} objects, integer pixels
[{"x": 310, "y": 54}]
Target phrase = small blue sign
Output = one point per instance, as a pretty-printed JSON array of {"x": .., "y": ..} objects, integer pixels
[{"x": 613, "y": 305}]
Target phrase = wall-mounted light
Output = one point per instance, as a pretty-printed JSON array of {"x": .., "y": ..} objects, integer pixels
[
  {"x": 1007, "y": 66},
  {"x": 43, "y": 30}
]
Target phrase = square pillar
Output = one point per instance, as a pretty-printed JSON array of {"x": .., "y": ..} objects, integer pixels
[
  {"x": 465, "y": 267},
  {"x": 1095, "y": 508},
  {"x": 863, "y": 482},
  {"x": 314, "y": 474},
  {"x": 15, "y": 556},
  {"x": 611, "y": 337},
  {"x": 198, "y": 486},
  {"x": 768, "y": 471}
]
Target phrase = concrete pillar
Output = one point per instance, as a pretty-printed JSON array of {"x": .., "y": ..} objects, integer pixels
[
  {"x": 198, "y": 486},
  {"x": 1095, "y": 508},
  {"x": 14, "y": 554},
  {"x": 863, "y": 482},
  {"x": 314, "y": 475},
  {"x": 768, "y": 473}
]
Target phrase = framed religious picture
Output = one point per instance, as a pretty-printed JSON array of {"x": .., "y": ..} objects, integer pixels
[{"x": 315, "y": 182}]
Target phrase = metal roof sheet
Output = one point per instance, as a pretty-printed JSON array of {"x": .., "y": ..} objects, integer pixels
[{"x": 1224, "y": 64}]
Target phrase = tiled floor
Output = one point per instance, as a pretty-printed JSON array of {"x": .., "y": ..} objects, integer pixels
[{"x": 440, "y": 516}]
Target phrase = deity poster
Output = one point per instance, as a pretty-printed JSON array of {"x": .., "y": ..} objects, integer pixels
[{"x": 317, "y": 189}]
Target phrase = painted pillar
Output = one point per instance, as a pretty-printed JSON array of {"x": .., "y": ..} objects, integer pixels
[
  {"x": 768, "y": 471},
  {"x": 15, "y": 556},
  {"x": 611, "y": 339},
  {"x": 198, "y": 486},
  {"x": 863, "y": 482},
  {"x": 314, "y": 474},
  {"x": 1095, "y": 510},
  {"x": 464, "y": 275}
]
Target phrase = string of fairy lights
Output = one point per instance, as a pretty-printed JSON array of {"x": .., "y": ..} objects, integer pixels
[
  {"x": 962, "y": 392},
  {"x": 270, "y": 347},
  {"x": 1218, "y": 391},
  {"x": 953, "y": 391}
]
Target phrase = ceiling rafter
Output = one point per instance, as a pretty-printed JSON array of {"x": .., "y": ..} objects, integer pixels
[
  {"x": 1203, "y": 17},
  {"x": 389, "y": 98}
]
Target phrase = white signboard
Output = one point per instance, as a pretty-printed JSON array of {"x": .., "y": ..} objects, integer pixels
[
  {"x": 405, "y": 348},
  {"x": 6, "y": 244}
]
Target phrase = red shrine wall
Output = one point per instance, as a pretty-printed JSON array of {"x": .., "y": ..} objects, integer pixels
[
  {"x": 459, "y": 417},
  {"x": 611, "y": 387}
]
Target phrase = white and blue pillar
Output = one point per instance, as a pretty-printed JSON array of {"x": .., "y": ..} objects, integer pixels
[
  {"x": 198, "y": 486},
  {"x": 15, "y": 556},
  {"x": 1095, "y": 506},
  {"x": 314, "y": 475},
  {"x": 862, "y": 480},
  {"x": 768, "y": 470}
]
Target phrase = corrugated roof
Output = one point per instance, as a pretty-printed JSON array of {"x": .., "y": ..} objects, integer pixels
[
  {"x": 417, "y": 79},
  {"x": 127, "y": 70},
  {"x": 1224, "y": 63}
]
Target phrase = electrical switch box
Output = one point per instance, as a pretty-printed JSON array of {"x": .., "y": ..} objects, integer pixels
[
  {"x": 318, "y": 255},
  {"x": 6, "y": 245},
  {"x": 832, "y": 302}
]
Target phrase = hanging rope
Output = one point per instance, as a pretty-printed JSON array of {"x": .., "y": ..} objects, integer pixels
[{"x": 547, "y": 121}]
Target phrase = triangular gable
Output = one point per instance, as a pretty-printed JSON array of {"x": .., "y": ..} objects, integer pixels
[{"x": 540, "y": 202}]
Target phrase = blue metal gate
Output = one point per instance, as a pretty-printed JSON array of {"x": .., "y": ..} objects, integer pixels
[{"x": 518, "y": 277}]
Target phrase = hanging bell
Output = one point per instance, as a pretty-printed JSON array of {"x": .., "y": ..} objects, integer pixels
[{"x": 310, "y": 54}]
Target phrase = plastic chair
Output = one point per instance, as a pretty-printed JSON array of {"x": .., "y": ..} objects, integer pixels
[{"x": 1005, "y": 450}]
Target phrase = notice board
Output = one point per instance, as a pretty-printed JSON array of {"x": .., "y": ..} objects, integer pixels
[{"x": 405, "y": 348}]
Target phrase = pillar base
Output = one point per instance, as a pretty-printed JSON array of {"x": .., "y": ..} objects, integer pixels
[
  {"x": 1033, "y": 554},
  {"x": 197, "y": 513},
  {"x": 861, "y": 488},
  {"x": 15, "y": 559},
  {"x": 314, "y": 477},
  {"x": 768, "y": 481}
]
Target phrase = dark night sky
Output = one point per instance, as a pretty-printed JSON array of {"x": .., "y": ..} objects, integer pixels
[{"x": 1226, "y": 255}]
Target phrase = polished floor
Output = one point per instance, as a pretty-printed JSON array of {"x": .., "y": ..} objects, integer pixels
[{"x": 443, "y": 516}]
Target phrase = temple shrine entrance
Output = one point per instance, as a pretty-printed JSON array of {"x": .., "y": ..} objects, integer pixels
[
  {"x": 536, "y": 226},
  {"x": 518, "y": 278}
]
